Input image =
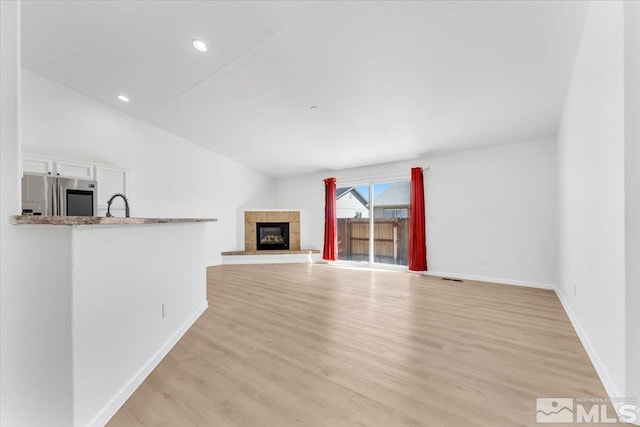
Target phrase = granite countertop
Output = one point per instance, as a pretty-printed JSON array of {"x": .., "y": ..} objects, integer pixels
[{"x": 99, "y": 220}]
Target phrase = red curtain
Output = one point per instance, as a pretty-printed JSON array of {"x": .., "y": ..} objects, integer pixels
[
  {"x": 330, "y": 250},
  {"x": 417, "y": 230}
]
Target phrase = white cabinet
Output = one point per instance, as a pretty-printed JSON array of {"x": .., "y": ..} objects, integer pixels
[
  {"x": 39, "y": 165},
  {"x": 110, "y": 181},
  {"x": 62, "y": 168},
  {"x": 73, "y": 169}
]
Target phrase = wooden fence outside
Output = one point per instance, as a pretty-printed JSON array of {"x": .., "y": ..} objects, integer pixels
[{"x": 390, "y": 238}]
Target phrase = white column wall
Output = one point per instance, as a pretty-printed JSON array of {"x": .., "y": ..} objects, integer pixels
[
  {"x": 35, "y": 335},
  {"x": 591, "y": 157},
  {"x": 632, "y": 195}
]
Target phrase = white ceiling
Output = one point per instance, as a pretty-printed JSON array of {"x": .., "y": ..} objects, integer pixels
[{"x": 392, "y": 80}]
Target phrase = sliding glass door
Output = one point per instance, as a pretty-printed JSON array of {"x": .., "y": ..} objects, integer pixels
[{"x": 373, "y": 222}]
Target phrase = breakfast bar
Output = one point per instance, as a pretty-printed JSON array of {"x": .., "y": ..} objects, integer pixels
[
  {"x": 132, "y": 288},
  {"x": 99, "y": 220}
]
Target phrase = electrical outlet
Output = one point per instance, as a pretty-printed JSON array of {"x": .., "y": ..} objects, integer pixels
[
  {"x": 164, "y": 311},
  {"x": 485, "y": 261}
]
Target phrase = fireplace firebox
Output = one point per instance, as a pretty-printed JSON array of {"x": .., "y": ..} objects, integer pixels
[{"x": 272, "y": 235}]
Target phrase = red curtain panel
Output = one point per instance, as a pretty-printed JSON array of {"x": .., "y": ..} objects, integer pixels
[
  {"x": 417, "y": 229},
  {"x": 330, "y": 250}
]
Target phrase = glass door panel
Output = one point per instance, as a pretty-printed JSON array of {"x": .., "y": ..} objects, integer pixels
[
  {"x": 391, "y": 222},
  {"x": 352, "y": 210}
]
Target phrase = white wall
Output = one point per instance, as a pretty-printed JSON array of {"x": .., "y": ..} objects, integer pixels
[
  {"x": 35, "y": 302},
  {"x": 35, "y": 336},
  {"x": 36, "y": 328},
  {"x": 121, "y": 277},
  {"x": 632, "y": 190},
  {"x": 591, "y": 193},
  {"x": 169, "y": 176},
  {"x": 496, "y": 204}
]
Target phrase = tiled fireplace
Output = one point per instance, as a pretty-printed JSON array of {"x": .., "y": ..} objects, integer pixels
[
  {"x": 278, "y": 227},
  {"x": 273, "y": 236}
]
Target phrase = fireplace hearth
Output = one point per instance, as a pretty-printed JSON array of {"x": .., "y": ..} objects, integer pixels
[{"x": 272, "y": 236}]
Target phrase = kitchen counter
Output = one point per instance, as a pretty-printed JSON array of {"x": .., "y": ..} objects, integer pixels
[
  {"x": 99, "y": 220},
  {"x": 112, "y": 296}
]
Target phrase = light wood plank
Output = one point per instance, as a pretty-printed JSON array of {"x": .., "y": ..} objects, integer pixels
[{"x": 317, "y": 345}]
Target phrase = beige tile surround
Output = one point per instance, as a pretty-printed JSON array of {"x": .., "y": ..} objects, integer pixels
[{"x": 252, "y": 217}]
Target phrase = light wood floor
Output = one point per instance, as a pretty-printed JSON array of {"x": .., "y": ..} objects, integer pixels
[{"x": 316, "y": 345}]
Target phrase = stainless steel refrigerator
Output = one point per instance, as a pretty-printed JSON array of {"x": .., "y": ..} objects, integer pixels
[{"x": 53, "y": 196}]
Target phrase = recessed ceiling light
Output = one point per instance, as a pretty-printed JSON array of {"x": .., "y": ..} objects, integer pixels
[
  {"x": 199, "y": 45},
  {"x": 315, "y": 107},
  {"x": 123, "y": 98}
]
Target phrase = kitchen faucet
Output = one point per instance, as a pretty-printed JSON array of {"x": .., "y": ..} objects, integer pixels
[{"x": 126, "y": 204}]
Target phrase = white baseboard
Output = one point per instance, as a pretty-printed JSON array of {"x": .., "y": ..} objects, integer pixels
[
  {"x": 121, "y": 397},
  {"x": 609, "y": 386},
  {"x": 270, "y": 259},
  {"x": 493, "y": 280}
]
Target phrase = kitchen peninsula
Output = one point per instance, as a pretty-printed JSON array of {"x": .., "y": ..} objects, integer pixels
[{"x": 129, "y": 288}]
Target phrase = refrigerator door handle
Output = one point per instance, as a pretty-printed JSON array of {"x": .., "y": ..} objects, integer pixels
[
  {"x": 61, "y": 205},
  {"x": 54, "y": 200}
]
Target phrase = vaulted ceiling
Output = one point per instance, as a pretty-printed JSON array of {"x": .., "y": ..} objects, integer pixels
[{"x": 390, "y": 80}]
